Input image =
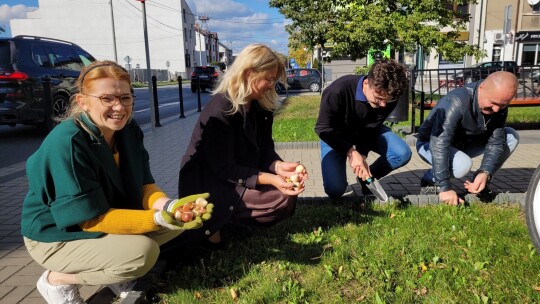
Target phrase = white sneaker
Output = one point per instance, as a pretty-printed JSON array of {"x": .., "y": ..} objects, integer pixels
[
  {"x": 59, "y": 294},
  {"x": 122, "y": 289}
]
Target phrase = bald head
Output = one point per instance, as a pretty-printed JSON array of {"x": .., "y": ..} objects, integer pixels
[
  {"x": 497, "y": 91},
  {"x": 503, "y": 82}
]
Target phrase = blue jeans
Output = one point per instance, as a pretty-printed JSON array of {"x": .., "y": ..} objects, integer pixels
[
  {"x": 393, "y": 151},
  {"x": 461, "y": 161}
]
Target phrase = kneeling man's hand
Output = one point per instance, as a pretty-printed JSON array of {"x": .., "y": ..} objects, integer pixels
[{"x": 451, "y": 198}]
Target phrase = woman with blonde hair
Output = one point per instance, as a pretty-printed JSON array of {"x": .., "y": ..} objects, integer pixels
[
  {"x": 231, "y": 154},
  {"x": 93, "y": 214}
]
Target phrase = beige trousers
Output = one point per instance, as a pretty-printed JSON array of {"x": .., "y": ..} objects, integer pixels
[{"x": 109, "y": 259}]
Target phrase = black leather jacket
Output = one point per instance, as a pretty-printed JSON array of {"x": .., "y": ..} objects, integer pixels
[{"x": 458, "y": 121}]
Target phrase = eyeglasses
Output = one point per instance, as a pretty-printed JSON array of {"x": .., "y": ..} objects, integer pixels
[
  {"x": 109, "y": 100},
  {"x": 380, "y": 100}
]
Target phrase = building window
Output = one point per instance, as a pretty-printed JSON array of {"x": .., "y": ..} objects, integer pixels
[
  {"x": 185, "y": 35},
  {"x": 460, "y": 9},
  {"x": 530, "y": 54},
  {"x": 188, "y": 60},
  {"x": 184, "y": 14}
]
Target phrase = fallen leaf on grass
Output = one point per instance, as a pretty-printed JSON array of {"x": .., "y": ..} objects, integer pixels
[
  {"x": 392, "y": 215},
  {"x": 423, "y": 267},
  {"x": 536, "y": 288},
  {"x": 420, "y": 292},
  {"x": 234, "y": 295},
  {"x": 198, "y": 295},
  {"x": 360, "y": 298}
]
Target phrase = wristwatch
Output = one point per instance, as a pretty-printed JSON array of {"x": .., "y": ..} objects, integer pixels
[{"x": 485, "y": 172}]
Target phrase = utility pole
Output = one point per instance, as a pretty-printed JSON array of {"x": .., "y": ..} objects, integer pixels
[
  {"x": 204, "y": 19},
  {"x": 148, "y": 69},
  {"x": 506, "y": 28},
  {"x": 113, "y": 33},
  {"x": 200, "y": 42}
]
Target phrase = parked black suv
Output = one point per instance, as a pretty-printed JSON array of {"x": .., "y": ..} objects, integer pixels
[
  {"x": 207, "y": 75},
  {"x": 24, "y": 62},
  {"x": 482, "y": 70},
  {"x": 299, "y": 79}
]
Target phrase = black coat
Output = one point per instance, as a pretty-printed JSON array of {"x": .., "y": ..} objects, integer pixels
[
  {"x": 344, "y": 121},
  {"x": 225, "y": 155}
]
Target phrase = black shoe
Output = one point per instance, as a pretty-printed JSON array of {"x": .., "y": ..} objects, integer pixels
[
  {"x": 427, "y": 188},
  {"x": 486, "y": 195}
]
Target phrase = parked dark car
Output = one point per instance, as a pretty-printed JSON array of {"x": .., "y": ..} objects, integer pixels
[
  {"x": 206, "y": 75},
  {"x": 482, "y": 70},
  {"x": 24, "y": 62},
  {"x": 535, "y": 75},
  {"x": 300, "y": 79}
]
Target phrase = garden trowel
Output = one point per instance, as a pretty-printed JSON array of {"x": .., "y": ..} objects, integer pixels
[{"x": 376, "y": 188}]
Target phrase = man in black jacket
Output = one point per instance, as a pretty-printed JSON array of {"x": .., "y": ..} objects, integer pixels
[
  {"x": 468, "y": 122},
  {"x": 350, "y": 125}
]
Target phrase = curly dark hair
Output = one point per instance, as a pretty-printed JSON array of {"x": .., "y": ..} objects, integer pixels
[{"x": 388, "y": 78}]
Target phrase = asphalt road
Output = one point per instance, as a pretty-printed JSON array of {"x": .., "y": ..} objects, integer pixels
[
  {"x": 168, "y": 102},
  {"x": 19, "y": 142}
]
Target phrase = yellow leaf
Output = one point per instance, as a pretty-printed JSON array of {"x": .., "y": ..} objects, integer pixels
[
  {"x": 423, "y": 267},
  {"x": 392, "y": 215},
  {"x": 234, "y": 295},
  {"x": 536, "y": 288}
]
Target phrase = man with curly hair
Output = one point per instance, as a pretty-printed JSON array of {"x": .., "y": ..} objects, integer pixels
[{"x": 350, "y": 125}]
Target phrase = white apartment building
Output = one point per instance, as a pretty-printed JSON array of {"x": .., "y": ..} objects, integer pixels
[
  {"x": 225, "y": 54},
  {"x": 200, "y": 53},
  {"x": 114, "y": 30}
]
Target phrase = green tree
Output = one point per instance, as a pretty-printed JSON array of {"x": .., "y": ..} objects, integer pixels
[
  {"x": 355, "y": 26},
  {"x": 310, "y": 21},
  {"x": 301, "y": 55}
]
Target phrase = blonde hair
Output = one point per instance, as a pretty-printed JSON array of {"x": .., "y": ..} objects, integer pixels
[
  {"x": 96, "y": 70},
  {"x": 236, "y": 84}
]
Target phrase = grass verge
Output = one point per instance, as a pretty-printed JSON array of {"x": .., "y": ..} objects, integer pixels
[
  {"x": 332, "y": 252},
  {"x": 295, "y": 120}
]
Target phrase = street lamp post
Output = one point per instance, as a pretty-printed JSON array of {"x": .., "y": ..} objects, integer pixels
[
  {"x": 113, "y": 33},
  {"x": 148, "y": 69}
]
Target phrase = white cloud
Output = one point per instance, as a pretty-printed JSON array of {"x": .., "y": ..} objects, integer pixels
[
  {"x": 8, "y": 13},
  {"x": 238, "y": 25},
  {"x": 12, "y": 12},
  {"x": 225, "y": 8}
]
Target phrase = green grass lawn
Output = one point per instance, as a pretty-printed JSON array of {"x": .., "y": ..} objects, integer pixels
[
  {"x": 348, "y": 252},
  {"x": 295, "y": 120},
  {"x": 340, "y": 253}
]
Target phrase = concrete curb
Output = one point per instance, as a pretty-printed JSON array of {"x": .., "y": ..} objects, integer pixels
[{"x": 426, "y": 200}]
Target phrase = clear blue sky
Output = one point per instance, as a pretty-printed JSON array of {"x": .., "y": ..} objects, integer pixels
[{"x": 237, "y": 22}]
